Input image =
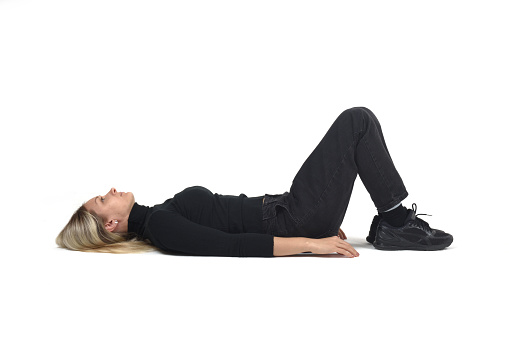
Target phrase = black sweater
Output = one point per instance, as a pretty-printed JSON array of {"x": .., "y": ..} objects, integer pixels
[{"x": 196, "y": 221}]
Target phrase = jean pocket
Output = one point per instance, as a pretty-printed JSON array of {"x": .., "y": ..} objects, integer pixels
[
  {"x": 276, "y": 215},
  {"x": 270, "y": 202},
  {"x": 273, "y": 204}
]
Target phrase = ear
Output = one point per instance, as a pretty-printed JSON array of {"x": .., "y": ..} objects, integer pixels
[{"x": 111, "y": 225}]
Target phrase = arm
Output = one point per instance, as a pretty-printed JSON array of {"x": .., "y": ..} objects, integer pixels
[{"x": 171, "y": 231}]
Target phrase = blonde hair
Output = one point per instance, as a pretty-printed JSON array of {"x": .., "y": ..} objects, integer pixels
[{"x": 85, "y": 232}]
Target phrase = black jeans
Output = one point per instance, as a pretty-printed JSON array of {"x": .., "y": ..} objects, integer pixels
[{"x": 316, "y": 204}]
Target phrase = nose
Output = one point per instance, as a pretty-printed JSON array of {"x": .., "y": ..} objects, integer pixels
[{"x": 113, "y": 190}]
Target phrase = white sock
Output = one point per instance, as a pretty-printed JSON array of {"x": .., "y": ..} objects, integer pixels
[{"x": 390, "y": 209}]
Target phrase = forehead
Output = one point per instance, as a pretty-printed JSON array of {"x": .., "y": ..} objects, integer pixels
[{"x": 91, "y": 204}]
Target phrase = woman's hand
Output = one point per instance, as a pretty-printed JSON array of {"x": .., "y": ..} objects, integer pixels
[
  {"x": 332, "y": 244},
  {"x": 341, "y": 234}
]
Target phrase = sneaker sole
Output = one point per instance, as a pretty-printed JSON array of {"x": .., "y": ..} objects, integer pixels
[{"x": 413, "y": 247}]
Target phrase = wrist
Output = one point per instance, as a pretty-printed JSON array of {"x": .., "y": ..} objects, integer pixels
[
  {"x": 291, "y": 245},
  {"x": 309, "y": 244}
]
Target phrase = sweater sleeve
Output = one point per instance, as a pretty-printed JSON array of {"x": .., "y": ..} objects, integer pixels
[{"x": 169, "y": 230}]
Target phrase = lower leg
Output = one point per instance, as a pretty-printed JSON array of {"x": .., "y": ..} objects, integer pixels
[{"x": 375, "y": 166}]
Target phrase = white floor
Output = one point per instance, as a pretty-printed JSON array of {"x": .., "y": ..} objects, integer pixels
[
  {"x": 155, "y": 96},
  {"x": 456, "y": 292}
]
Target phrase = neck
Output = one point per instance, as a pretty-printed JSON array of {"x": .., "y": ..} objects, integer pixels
[
  {"x": 137, "y": 217},
  {"x": 121, "y": 227}
]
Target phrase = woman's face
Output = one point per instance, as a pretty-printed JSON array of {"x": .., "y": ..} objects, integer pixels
[{"x": 112, "y": 205}]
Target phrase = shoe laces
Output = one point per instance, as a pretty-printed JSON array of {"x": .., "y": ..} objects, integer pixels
[{"x": 419, "y": 222}]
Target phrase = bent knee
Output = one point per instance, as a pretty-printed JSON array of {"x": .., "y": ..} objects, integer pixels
[{"x": 358, "y": 113}]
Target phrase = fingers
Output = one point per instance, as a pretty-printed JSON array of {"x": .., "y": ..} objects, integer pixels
[
  {"x": 346, "y": 249},
  {"x": 345, "y": 253},
  {"x": 342, "y": 234},
  {"x": 334, "y": 244}
]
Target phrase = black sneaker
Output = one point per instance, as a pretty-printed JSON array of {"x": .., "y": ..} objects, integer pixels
[
  {"x": 415, "y": 234},
  {"x": 372, "y": 230}
]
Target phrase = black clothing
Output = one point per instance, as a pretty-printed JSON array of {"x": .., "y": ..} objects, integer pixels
[
  {"x": 196, "y": 221},
  {"x": 320, "y": 192},
  {"x": 395, "y": 217}
]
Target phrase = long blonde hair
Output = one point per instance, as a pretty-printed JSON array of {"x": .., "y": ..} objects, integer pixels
[{"x": 85, "y": 232}]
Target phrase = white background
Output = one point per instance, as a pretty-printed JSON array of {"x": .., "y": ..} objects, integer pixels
[{"x": 155, "y": 96}]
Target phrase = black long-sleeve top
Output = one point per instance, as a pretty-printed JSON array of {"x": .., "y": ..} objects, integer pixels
[{"x": 196, "y": 221}]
